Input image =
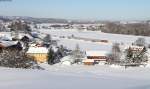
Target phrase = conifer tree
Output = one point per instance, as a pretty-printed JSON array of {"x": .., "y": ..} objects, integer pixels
[{"x": 51, "y": 56}]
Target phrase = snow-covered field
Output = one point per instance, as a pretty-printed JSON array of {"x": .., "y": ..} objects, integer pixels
[
  {"x": 75, "y": 77},
  {"x": 79, "y": 76},
  {"x": 88, "y": 45}
]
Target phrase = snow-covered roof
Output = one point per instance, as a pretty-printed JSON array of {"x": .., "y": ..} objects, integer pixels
[
  {"x": 8, "y": 43},
  {"x": 37, "y": 50},
  {"x": 96, "y": 53},
  {"x": 134, "y": 47},
  {"x": 21, "y": 35},
  {"x": 9, "y": 36},
  {"x": 5, "y": 36}
]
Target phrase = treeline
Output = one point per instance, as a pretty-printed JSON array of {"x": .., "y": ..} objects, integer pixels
[
  {"x": 142, "y": 29},
  {"x": 19, "y": 26}
]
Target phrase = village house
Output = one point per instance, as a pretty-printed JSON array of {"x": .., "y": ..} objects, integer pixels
[
  {"x": 10, "y": 45},
  {"x": 94, "y": 57},
  {"x": 38, "y": 53}
]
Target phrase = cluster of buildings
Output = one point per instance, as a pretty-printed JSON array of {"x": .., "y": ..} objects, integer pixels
[
  {"x": 40, "y": 52},
  {"x": 37, "y": 50}
]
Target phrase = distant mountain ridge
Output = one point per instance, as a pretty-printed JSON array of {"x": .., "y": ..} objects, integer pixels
[
  {"x": 47, "y": 20},
  {"x": 32, "y": 19}
]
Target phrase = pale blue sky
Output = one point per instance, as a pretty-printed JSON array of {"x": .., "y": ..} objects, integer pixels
[{"x": 79, "y": 9}]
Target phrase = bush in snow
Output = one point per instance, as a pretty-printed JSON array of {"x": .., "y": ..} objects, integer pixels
[
  {"x": 68, "y": 63},
  {"x": 16, "y": 59}
]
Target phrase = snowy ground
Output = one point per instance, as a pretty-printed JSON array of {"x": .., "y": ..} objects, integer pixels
[
  {"x": 79, "y": 76},
  {"x": 87, "y": 45},
  {"x": 75, "y": 77}
]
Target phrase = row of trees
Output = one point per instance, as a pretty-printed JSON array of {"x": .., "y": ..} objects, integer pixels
[
  {"x": 130, "y": 28},
  {"x": 19, "y": 26}
]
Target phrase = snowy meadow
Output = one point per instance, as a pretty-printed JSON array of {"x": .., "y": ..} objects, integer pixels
[
  {"x": 60, "y": 76},
  {"x": 76, "y": 77}
]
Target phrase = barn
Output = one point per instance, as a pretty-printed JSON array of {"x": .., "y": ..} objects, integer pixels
[{"x": 96, "y": 56}]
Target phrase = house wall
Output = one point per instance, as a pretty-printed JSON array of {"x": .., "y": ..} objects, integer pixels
[
  {"x": 39, "y": 57},
  {"x": 97, "y": 58},
  {"x": 88, "y": 63}
]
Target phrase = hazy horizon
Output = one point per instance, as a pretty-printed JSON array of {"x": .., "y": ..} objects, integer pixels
[{"x": 78, "y": 9}]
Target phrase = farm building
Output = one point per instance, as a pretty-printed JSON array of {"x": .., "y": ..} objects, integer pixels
[
  {"x": 39, "y": 53},
  {"x": 96, "y": 56}
]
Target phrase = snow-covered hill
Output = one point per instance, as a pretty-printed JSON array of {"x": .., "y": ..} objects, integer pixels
[
  {"x": 79, "y": 76},
  {"x": 75, "y": 77}
]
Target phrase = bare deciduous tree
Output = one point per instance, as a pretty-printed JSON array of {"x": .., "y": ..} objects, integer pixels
[
  {"x": 116, "y": 54},
  {"x": 128, "y": 28},
  {"x": 140, "y": 42},
  {"x": 77, "y": 54},
  {"x": 47, "y": 38}
]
